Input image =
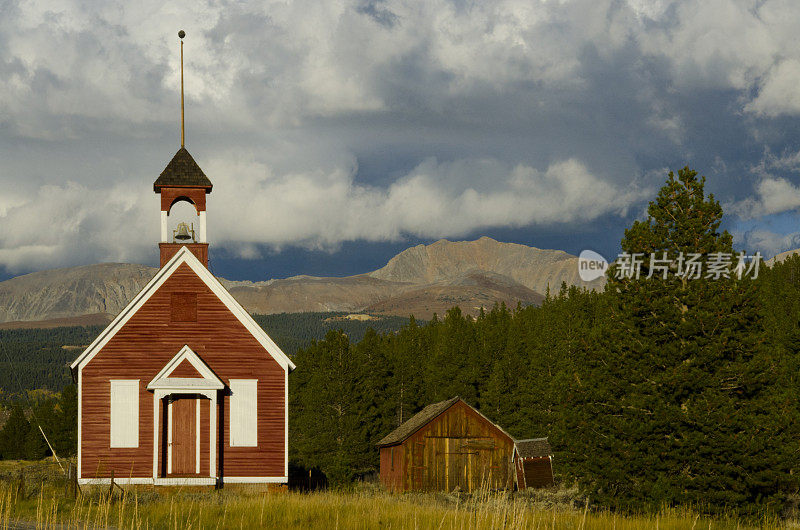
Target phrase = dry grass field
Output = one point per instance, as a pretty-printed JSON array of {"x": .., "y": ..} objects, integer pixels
[{"x": 42, "y": 503}]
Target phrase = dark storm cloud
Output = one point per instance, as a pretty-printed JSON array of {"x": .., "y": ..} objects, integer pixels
[
  {"x": 323, "y": 123},
  {"x": 378, "y": 12}
]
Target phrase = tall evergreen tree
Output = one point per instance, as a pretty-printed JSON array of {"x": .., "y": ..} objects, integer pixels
[
  {"x": 13, "y": 434},
  {"x": 678, "y": 409}
]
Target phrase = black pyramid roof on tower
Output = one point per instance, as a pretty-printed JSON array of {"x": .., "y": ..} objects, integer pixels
[{"x": 182, "y": 171}]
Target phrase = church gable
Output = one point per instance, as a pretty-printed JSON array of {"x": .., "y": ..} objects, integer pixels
[{"x": 182, "y": 301}]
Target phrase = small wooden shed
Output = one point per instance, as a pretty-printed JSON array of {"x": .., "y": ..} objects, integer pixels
[
  {"x": 445, "y": 446},
  {"x": 533, "y": 463}
]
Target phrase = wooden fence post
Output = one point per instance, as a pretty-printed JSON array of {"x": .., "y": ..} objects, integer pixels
[
  {"x": 71, "y": 484},
  {"x": 21, "y": 485}
]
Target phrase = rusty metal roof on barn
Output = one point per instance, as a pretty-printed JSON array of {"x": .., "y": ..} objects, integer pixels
[
  {"x": 533, "y": 448},
  {"x": 417, "y": 421},
  {"x": 425, "y": 416},
  {"x": 182, "y": 171}
]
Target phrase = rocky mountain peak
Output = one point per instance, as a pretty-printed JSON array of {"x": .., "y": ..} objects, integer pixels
[{"x": 530, "y": 266}]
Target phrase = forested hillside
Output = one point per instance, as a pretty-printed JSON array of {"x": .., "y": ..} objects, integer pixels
[
  {"x": 659, "y": 391},
  {"x": 39, "y": 358},
  {"x": 292, "y": 331}
]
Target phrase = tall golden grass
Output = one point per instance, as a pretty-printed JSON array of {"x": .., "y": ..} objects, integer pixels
[{"x": 46, "y": 506}]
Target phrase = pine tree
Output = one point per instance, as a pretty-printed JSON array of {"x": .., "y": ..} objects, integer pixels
[
  {"x": 15, "y": 431},
  {"x": 676, "y": 409},
  {"x": 325, "y": 408}
]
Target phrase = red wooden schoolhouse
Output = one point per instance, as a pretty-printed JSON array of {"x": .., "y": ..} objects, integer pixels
[{"x": 183, "y": 387}]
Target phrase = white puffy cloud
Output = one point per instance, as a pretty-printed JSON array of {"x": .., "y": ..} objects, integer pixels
[
  {"x": 767, "y": 242},
  {"x": 285, "y": 62},
  {"x": 773, "y": 195},
  {"x": 63, "y": 224},
  {"x": 251, "y": 205},
  {"x": 466, "y": 115},
  {"x": 778, "y": 94},
  {"x": 773, "y": 190}
]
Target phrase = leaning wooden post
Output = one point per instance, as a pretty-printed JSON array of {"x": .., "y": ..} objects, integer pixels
[
  {"x": 74, "y": 481},
  {"x": 111, "y": 486}
]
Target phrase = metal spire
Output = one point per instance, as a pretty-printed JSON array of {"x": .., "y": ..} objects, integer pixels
[{"x": 181, "y": 35}]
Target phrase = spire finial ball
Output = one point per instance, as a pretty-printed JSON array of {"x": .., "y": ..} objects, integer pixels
[{"x": 181, "y": 34}]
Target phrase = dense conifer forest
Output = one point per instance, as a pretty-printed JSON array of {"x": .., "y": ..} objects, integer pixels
[{"x": 658, "y": 391}]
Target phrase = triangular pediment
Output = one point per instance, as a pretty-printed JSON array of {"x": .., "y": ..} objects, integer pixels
[
  {"x": 185, "y": 369},
  {"x": 184, "y": 256},
  {"x": 171, "y": 378}
]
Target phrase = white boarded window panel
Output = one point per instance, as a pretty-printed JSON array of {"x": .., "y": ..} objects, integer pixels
[
  {"x": 244, "y": 412},
  {"x": 124, "y": 413}
]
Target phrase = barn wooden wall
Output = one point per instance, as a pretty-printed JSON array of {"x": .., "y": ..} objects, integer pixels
[
  {"x": 534, "y": 472},
  {"x": 139, "y": 351},
  {"x": 460, "y": 449},
  {"x": 393, "y": 467}
]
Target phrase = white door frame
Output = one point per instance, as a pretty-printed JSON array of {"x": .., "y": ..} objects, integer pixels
[
  {"x": 160, "y": 394},
  {"x": 197, "y": 405}
]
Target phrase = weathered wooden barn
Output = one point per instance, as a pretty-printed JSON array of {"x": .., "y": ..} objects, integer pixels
[
  {"x": 183, "y": 387},
  {"x": 533, "y": 463},
  {"x": 445, "y": 446}
]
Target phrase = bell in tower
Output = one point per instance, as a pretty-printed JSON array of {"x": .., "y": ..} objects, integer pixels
[
  {"x": 183, "y": 233},
  {"x": 183, "y": 180}
]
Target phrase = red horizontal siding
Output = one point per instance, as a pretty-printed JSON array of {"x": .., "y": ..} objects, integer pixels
[{"x": 141, "y": 349}]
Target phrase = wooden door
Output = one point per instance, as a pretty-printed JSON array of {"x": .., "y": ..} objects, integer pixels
[{"x": 184, "y": 436}]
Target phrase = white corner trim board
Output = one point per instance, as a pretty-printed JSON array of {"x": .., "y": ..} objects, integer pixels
[
  {"x": 184, "y": 255},
  {"x": 286, "y": 423}
]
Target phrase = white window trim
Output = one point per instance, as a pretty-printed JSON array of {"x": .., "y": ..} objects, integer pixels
[
  {"x": 131, "y": 435},
  {"x": 251, "y": 438}
]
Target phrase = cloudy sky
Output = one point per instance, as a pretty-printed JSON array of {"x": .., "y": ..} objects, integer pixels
[{"x": 337, "y": 133}]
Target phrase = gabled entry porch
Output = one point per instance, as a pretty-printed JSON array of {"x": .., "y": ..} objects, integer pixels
[{"x": 184, "y": 419}]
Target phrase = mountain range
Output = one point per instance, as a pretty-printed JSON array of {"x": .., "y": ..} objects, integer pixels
[{"x": 421, "y": 280}]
